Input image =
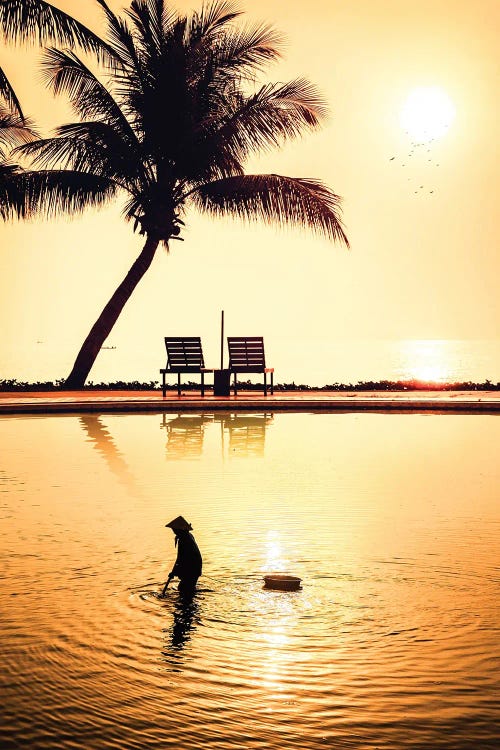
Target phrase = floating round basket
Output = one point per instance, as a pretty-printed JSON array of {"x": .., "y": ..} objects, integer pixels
[{"x": 282, "y": 582}]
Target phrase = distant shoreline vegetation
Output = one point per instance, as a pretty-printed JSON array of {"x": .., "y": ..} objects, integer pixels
[{"x": 154, "y": 385}]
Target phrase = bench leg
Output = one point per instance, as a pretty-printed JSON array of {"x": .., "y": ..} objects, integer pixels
[
  {"x": 202, "y": 383},
  {"x": 272, "y": 384},
  {"x": 163, "y": 386},
  {"x": 235, "y": 385},
  {"x": 178, "y": 384},
  {"x": 265, "y": 384}
]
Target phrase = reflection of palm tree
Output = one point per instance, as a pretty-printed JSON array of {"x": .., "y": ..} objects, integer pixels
[
  {"x": 104, "y": 443},
  {"x": 173, "y": 128}
]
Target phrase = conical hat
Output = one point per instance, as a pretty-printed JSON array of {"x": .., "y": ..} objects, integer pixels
[{"x": 179, "y": 523}]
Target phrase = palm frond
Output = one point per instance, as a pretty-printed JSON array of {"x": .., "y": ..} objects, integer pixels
[
  {"x": 6, "y": 166},
  {"x": 52, "y": 153},
  {"x": 14, "y": 128},
  {"x": 65, "y": 72},
  {"x": 240, "y": 125},
  {"x": 274, "y": 198},
  {"x": 154, "y": 26},
  {"x": 8, "y": 95},
  {"x": 90, "y": 148},
  {"x": 274, "y": 114},
  {"x": 119, "y": 38},
  {"x": 218, "y": 68},
  {"x": 11, "y": 196},
  {"x": 147, "y": 18},
  {"x": 247, "y": 50},
  {"x": 213, "y": 17},
  {"x": 40, "y": 22},
  {"x": 27, "y": 194}
]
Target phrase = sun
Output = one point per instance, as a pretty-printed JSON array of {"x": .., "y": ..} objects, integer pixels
[
  {"x": 427, "y": 113},
  {"x": 426, "y": 360}
]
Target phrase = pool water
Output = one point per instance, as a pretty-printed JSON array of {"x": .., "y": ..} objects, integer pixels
[{"x": 390, "y": 520}]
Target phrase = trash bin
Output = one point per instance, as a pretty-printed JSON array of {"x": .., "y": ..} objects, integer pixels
[{"x": 221, "y": 382}]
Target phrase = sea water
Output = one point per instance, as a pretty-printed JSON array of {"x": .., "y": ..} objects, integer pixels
[
  {"x": 309, "y": 360},
  {"x": 390, "y": 520}
]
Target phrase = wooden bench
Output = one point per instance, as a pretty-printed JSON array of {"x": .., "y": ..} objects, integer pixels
[
  {"x": 246, "y": 354},
  {"x": 184, "y": 355}
]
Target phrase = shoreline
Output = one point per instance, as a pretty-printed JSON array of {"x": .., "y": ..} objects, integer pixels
[
  {"x": 127, "y": 401},
  {"x": 12, "y": 385}
]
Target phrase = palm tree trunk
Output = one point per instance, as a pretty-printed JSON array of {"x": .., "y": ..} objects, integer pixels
[{"x": 106, "y": 320}]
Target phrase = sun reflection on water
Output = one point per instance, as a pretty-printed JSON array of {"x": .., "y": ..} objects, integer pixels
[
  {"x": 274, "y": 662},
  {"x": 275, "y": 561},
  {"x": 427, "y": 360}
]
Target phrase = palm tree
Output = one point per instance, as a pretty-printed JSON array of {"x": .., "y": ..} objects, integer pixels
[{"x": 168, "y": 123}]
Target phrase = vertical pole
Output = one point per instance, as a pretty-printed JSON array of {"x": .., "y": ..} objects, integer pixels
[{"x": 222, "y": 341}]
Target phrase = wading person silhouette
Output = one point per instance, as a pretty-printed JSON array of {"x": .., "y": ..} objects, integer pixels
[{"x": 188, "y": 563}]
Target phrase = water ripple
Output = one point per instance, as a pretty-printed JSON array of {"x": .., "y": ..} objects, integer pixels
[{"x": 391, "y": 643}]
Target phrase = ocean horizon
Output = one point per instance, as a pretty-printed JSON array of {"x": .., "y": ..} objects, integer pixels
[{"x": 317, "y": 362}]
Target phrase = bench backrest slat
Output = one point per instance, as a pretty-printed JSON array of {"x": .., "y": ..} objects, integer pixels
[
  {"x": 184, "y": 351},
  {"x": 246, "y": 351}
]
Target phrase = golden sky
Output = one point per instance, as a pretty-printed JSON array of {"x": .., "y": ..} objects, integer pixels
[{"x": 422, "y": 222}]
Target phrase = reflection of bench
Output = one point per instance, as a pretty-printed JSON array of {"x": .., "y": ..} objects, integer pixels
[
  {"x": 247, "y": 434},
  {"x": 184, "y": 355},
  {"x": 185, "y": 435},
  {"x": 246, "y": 354}
]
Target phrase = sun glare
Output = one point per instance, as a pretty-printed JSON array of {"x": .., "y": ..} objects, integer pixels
[
  {"x": 274, "y": 561},
  {"x": 427, "y": 113},
  {"x": 426, "y": 360}
]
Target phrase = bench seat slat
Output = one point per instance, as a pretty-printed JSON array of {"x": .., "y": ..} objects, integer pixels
[
  {"x": 252, "y": 369},
  {"x": 187, "y": 369}
]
